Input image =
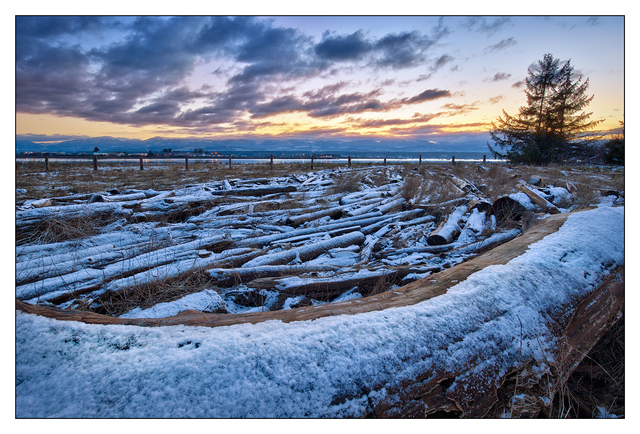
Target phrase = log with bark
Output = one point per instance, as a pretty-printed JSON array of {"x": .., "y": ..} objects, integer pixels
[{"x": 506, "y": 209}]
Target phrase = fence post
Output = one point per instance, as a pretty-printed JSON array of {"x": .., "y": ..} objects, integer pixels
[
  {"x": 186, "y": 163},
  {"x": 311, "y": 161},
  {"x": 349, "y": 162},
  {"x": 271, "y": 162},
  {"x": 46, "y": 164},
  {"x": 141, "y": 164},
  {"x": 95, "y": 162},
  {"x": 229, "y": 161},
  {"x": 385, "y": 161},
  {"x": 484, "y": 158},
  {"x": 453, "y": 160},
  {"x": 420, "y": 162}
]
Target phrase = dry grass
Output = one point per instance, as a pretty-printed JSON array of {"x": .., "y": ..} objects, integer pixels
[
  {"x": 55, "y": 230},
  {"x": 598, "y": 381},
  {"x": 146, "y": 295},
  {"x": 499, "y": 181},
  {"x": 412, "y": 188},
  {"x": 347, "y": 182},
  {"x": 71, "y": 178}
]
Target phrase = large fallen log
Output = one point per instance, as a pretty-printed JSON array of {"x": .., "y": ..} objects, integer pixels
[
  {"x": 452, "y": 343},
  {"x": 328, "y": 288},
  {"x": 227, "y": 277},
  {"x": 307, "y": 252},
  {"x": 256, "y": 191},
  {"x": 448, "y": 231}
]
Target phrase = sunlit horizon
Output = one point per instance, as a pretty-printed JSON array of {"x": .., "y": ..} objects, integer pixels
[{"x": 419, "y": 77}]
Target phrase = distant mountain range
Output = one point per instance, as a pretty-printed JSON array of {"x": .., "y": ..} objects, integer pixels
[{"x": 240, "y": 147}]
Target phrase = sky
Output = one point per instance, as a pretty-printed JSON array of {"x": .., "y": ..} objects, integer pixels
[{"x": 309, "y": 77}]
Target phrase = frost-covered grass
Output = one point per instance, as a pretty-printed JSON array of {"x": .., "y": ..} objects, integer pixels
[{"x": 330, "y": 367}]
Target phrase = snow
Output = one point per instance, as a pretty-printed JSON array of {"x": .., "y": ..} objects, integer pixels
[
  {"x": 329, "y": 367},
  {"x": 204, "y": 301}
]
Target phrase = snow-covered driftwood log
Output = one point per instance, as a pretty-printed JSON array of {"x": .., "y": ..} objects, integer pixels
[
  {"x": 309, "y": 251},
  {"x": 448, "y": 230},
  {"x": 527, "y": 311}
]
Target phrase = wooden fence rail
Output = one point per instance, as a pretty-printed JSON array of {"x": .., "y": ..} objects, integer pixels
[{"x": 97, "y": 158}]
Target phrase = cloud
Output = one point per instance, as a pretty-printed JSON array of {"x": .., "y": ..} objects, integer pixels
[
  {"x": 593, "y": 21},
  {"x": 518, "y": 84},
  {"x": 341, "y": 48},
  {"x": 428, "y": 95},
  {"x": 402, "y": 50},
  {"x": 505, "y": 43},
  {"x": 136, "y": 71},
  {"x": 497, "y": 99},
  {"x": 440, "y": 62},
  {"x": 48, "y": 137},
  {"x": 459, "y": 109},
  {"x": 323, "y": 103},
  {"x": 499, "y": 76},
  {"x": 483, "y": 25},
  {"x": 377, "y": 123}
]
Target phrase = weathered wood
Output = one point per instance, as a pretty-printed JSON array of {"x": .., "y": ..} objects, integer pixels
[
  {"x": 256, "y": 191},
  {"x": 328, "y": 288},
  {"x": 334, "y": 213},
  {"x": 505, "y": 208},
  {"x": 415, "y": 292},
  {"x": 464, "y": 185},
  {"x": 307, "y": 252},
  {"x": 226, "y": 277},
  {"x": 432, "y": 390},
  {"x": 539, "y": 200},
  {"x": 447, "y": 232}
]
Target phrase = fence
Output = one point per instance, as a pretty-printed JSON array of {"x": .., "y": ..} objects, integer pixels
[{"x": 230, "y": 159}]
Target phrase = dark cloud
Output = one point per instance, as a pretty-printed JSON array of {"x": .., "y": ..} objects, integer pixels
[
  {"x": 402, "y": 50},
  {"x": 45, "y": 27},
  {"x": 428, "y": 95},
  {"x": 324, "y": 103},
  {"x": 341, "y": 48},
  {"x": 440, "y": 62},
  {"x": 139, "y": 79},
  {"x": 518, "y": 84},
  {"x": 499, "y": 76},
  {"x": 505, "y": 43}
]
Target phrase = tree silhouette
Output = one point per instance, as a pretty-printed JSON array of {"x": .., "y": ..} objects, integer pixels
[{"x": 545, "y": 130}]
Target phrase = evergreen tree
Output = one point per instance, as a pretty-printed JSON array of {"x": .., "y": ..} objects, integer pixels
[{"x": 545, "y": 130}]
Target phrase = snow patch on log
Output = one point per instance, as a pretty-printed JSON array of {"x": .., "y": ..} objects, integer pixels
[{"x": 307, "y": 252}]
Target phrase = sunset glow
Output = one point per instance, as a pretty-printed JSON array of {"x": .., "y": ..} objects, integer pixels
[{"x": 298, "y": 77}]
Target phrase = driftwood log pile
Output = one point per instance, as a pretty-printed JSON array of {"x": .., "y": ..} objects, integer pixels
[
  {"x": 298, "y": 238},
  {"x": 432, "y": 393}
]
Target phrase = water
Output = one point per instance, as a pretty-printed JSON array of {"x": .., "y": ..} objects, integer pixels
[{"x": 201, "y": 160}]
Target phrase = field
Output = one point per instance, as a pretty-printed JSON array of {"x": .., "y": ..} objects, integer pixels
[{"x": 153, "y": 243}]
